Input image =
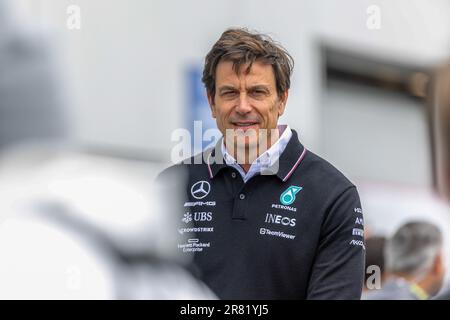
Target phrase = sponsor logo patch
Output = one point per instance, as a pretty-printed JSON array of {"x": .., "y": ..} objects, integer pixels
[
  {"x": 200, "y": 189},
  {"x": 280, "y": 234},
  {"x": 278, "y": 219},
  {"x": 288, "y": 196},
  {"x": 193, "y": 245}
]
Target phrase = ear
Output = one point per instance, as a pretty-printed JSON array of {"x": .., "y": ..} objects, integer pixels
[
  {"x": 282, "y": 103},
  {"x": 438, "y": 266},
  {"x": 211, "y": 104}
]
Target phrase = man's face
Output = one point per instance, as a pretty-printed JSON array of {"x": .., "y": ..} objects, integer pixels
[{"x": 246, "y": 101}]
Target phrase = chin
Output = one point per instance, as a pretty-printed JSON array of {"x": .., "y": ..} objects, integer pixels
[{"x": 246, "y": 143}]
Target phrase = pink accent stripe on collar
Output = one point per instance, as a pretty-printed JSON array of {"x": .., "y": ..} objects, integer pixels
[
  {"x": 295, "y": 165},
  {"x": 209, "y": 167}
]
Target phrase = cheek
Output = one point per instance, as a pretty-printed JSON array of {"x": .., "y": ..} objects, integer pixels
[
  {"x": 224, "y": 113},
  {"x": 273, "y": 111},
  {"x": 221, "y": 119}
]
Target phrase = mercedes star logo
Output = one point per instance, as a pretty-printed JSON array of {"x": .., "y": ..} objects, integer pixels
[{"x": 200, "y": 189}]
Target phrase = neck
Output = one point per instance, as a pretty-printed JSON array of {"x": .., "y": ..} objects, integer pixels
[
  {"x": 247, "y": 155},
  {"x": 246, "y": 167},
  {"x": 426, "y": 284}
]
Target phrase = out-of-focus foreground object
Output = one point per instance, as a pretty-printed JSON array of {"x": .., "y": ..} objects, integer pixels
[{"x": 73, "y": 225}]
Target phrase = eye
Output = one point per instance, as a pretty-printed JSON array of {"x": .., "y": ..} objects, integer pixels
[
  {"x": 228, "y": 94},
  {"x": 258, "y": 93}
]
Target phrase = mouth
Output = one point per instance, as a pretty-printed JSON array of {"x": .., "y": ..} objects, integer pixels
[{"x": 245, "y": 125}]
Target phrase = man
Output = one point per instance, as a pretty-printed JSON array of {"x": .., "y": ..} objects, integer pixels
[
  {"x": 272, "y": 219},
  {"x": 414, "y": 260}
]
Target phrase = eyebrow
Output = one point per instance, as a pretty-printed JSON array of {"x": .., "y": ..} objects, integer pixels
[
  {"x": 255, "y": 87},
  {"x": 259, "y": 87},
  {"x": 224, "y": 88}
]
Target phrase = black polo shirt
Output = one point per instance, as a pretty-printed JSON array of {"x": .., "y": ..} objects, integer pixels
[{"x": 295, "y": 232}]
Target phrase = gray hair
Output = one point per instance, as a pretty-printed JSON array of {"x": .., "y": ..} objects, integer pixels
[{"x": 413, "y": 248}]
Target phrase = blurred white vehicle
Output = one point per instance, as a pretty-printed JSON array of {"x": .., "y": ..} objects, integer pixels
[{"x": 74, "y": 225}]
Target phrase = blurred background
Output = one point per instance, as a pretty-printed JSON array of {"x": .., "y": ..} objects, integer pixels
[{"x": 129, "y": 75}]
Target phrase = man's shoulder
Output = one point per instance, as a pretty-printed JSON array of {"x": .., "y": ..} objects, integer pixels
[
  {"x": 322, "y": 172},
  {"x": 390, "y": 291},
  {"x": 185, "y": 167}
]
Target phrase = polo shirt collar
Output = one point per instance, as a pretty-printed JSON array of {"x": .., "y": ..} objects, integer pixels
[
  {"x": 288, "y": 161},
  {"x": 267, "y": 159},
  {"x": 291, "y": 158}
]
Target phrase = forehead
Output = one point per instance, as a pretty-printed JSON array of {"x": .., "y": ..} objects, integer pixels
[{"x": 260, "y": 73}]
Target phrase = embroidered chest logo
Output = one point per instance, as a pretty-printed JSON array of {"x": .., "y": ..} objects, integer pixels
[
  {"x": 187, "y": 217},
  {"x": 288, "y": 196},
  {"x": 200, "y": 189}
]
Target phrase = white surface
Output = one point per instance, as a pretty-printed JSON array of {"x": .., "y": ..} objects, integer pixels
[
  {"x": 376, "y": 135},
  {"x": 127, "y": 63}
]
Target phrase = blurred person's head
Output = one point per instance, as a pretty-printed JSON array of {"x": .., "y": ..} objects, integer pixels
[
  {"x": 375, "y": 246},
  {"x": 415, "y": 253},
  {"x": 247, "y": 78}
]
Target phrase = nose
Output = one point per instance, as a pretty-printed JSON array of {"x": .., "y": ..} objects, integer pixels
[{"x": 243, "y": 106}]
